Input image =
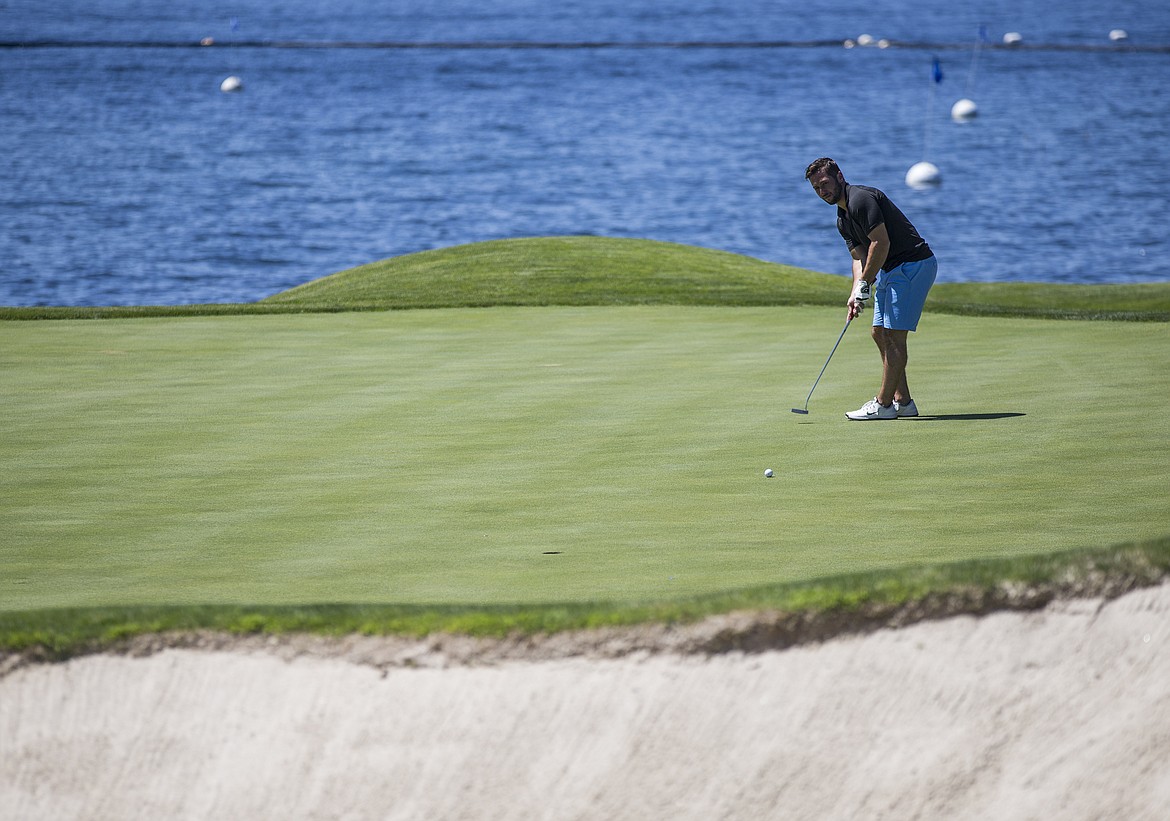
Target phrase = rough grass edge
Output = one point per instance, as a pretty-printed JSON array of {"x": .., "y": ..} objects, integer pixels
[{"x": 750, "y": 620}]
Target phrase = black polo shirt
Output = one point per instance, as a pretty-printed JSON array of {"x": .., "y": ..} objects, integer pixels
[{"x": 865, "y": 209}]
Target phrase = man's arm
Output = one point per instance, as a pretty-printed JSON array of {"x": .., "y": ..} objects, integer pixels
[
  {"x": 865, "y": 269},
  {"x": 877, "y": 253}
]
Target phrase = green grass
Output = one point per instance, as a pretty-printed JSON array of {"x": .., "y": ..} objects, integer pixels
[
  {"x": 814, "y": 609},
  {"x": 597, "y": 271},
  {"x": 576, "y": 271},
  {"x": 540, "y": 468}
]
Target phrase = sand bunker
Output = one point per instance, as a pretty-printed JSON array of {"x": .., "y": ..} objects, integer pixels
[{"x": 1061, "y": 713}]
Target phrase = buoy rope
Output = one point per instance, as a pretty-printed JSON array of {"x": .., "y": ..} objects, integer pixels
[{"x": 1113, "y": 47}]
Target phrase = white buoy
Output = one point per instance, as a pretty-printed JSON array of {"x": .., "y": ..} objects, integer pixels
[
  {"x": 231, "y": 84},
  {"x": 964, "y": 110},
  {"x": 883, "y": 43},
  {"x": 865, "y": 40},
  {"x": 1013, "y": 38},
  {"x": 923, "y": 175},
  {"x": 1117, "y": 35},
  {"x": 849, "y": 44}
]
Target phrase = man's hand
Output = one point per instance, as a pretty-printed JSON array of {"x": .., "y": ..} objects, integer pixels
[{"x": 858, "y": 298}]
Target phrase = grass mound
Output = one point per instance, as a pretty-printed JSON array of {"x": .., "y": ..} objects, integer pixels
[
  {"x": 605, "y": 271},
  {"x": 601, "y": 271},
  {"x": 565, "y": 271}
]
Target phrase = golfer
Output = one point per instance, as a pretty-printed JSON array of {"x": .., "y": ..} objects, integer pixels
[{"x": 891, "y": 258}]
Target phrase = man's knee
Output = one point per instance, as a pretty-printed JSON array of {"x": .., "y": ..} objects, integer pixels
[
  {"x": 896, "y": 341},
  {"x": 889, "y": 339}
]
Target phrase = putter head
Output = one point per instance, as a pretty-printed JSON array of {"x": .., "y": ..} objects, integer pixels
[{"x": 801, "y": 412}]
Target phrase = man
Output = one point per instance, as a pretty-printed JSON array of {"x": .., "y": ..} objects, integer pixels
[{"x": 890, "y": 258}]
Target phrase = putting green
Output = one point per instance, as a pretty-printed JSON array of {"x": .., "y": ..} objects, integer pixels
[{"x": 553, "y": 454}]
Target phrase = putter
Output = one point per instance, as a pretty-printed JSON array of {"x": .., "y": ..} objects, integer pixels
[{"x": 804, "y": 411}]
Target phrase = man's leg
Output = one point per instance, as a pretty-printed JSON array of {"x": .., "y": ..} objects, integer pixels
[
  {"x": 900, "y": 304},
  {"x": 892, "y": 344}
]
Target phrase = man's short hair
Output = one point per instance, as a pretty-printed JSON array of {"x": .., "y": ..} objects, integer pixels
[{"x": 823, "y": 164}]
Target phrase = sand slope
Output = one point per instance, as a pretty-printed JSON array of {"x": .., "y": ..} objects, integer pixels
[{"x": 1062, "y": 713}]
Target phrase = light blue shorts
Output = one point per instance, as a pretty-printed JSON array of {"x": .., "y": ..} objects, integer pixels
[{"x": 899, "y": 294}]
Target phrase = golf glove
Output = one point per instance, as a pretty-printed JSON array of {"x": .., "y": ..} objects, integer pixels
[{"x": 860, "y": 291}]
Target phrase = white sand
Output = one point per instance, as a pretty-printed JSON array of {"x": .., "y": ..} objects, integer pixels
[{"x": 1063, "y": 713}]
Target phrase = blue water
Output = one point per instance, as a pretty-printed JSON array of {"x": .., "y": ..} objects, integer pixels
[{"x": 129, "y": 178}]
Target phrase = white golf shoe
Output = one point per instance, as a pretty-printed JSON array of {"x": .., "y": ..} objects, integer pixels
[
  {"x": 909, "y": 409},
  {"x": 872, "y": 410}
]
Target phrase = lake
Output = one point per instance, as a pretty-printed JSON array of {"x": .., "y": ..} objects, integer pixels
[{"x": 360, "y": 134}]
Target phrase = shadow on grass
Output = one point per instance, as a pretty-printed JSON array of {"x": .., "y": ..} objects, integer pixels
[
  {"x": 945, "y": 417},
  {"x": 960, "y": 417}
]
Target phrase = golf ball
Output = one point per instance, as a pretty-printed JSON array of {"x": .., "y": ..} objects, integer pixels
[{"x": 768, "y": 473}]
